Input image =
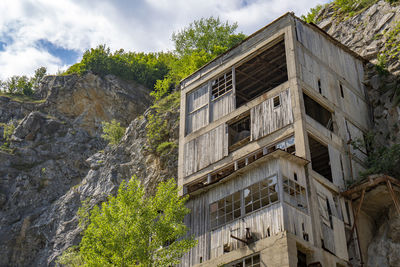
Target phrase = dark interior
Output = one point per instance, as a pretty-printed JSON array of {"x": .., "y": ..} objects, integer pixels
[
  {"x": 318, "y": 112},
  {"x": 320, "y": 158},
  {"x": 261, "y": 74}
]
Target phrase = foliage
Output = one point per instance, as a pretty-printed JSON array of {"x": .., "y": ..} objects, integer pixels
[
  {"x": 195, "y": 45},
  {"x": 8, "y": 130},
  {"x": 381, "y": 159},
  {"x": 133, "y": 230},
  {"x": 210, "y": 35},
  {"x": 23, "y": 85},
  {"x": 157, "y": 128},
  {"x": 144, "y": 68},
  {"x": 112, "y": 132},
  {"x": 310, "y": 17}
]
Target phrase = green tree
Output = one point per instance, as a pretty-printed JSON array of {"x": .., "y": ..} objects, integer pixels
[
  {"x": 38, "y": 76},
  {"x": 112, "y": 131},
  {"x": 133, "y": 230},
  {"x": 208, "y": 34}
]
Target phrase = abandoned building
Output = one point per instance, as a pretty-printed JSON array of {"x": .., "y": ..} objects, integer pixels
[{"x": 264, "y": 150}]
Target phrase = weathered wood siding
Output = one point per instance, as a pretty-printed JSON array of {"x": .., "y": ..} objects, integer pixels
[
  {"x": 197, "y": 109},
  {"x": 319, "y": 59},
  {"x": 211, "y": 242},
  {"x": 205, "y": 150},
  {"x": 336, "y": 167},
  {"x": 222, "y": 105},
  {"x": 340, "y": 61},
  {"x": 266, "y": 119},
  {"x": 294, "y": 221}
]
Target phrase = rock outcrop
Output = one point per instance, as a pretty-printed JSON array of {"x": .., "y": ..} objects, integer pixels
[
  {"x": 54, "y": 151},
  {"x": 364, "y": 33}
]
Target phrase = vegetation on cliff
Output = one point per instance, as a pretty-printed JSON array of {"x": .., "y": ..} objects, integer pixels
[
  {"x": 131, "y": 229},
  {"x": 22, "y": 87},
  {"x": 343, "y": 8}
]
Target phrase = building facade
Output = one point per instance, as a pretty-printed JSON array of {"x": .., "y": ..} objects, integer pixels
[{"x": 264, "y": 150}]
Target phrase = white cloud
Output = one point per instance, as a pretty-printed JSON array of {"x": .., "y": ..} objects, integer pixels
[{"x": 144, "y": 25}]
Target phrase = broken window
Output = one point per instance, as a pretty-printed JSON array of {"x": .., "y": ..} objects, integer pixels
[
  {"x": 251, "y": 261},
  {"x": 260, "y": 195},
  {"x": 295, "y": 194},
  {"x": 320, "y": 161},
  {"x": 261, "y": 74},
  {"x": 239, "y": 133},
  {"x": 250, "y": 199},
  {"x": 225, "y": 210},
  {"x": 318, "y": 112},
  {"x": 221, "y": 85}
]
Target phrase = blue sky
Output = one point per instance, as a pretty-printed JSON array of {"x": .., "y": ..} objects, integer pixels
[{"x": 55, "y": 33}]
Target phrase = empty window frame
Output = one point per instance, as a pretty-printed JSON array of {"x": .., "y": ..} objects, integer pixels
[
  {"x": 287, "y": 145},
  {"x": 240, "y": 203},
  {"x": 239, "y": 133},
  {"x": 295, "y": 194},
  {"x": 318, "y": 112},
  {"x": 260, "y": 195},
  {"x": 221, "y": 85},
  {"x": 251, "y": 261},
  {"x": 320, "y": 161},
  {"x": 225, "y": 210},
  {"x": 261, "y": 73}
]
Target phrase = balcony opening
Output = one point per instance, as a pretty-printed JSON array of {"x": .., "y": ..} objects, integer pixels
[
  {"x": 318, "y": 112},
  {"x": 320, "y": 158},
  {"x": 239, "y": 133},
  {"x": 261, "y": 74}
]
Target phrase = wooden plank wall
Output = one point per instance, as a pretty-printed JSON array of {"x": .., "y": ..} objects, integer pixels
[
  {"x": 266, "y": 119},
  {"x": 197, "y": 109},
  {"x": 319, "y": 59},
  {"x": 205, "y": 150},
  {"x": 222, "y": 106},
  {"x": 211, "y": 242},
  {"x": 294, "y": 219},
  {"x": 336, "y": 167},
  {"x": 336, "y": 58}
]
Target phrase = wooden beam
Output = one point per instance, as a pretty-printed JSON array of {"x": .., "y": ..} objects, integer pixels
[
  {"x": 371, "y": 182},
  {"x": 250, "y": 77},
  {"x": 356, "y": 215},
  {"x": 390, "y": 188}
]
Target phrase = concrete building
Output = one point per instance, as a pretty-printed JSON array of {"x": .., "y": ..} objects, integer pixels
[{"x": 264, "y": 150}]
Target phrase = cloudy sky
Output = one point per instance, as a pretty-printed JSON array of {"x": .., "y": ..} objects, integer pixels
[{"x": 55, "y": 33}]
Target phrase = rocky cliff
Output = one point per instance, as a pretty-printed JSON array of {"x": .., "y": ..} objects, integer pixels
[{"x": 56, "y": 158}]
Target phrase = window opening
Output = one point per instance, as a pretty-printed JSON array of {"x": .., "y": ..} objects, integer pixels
[
  {"x": 255, "y": 197},
  {"x": 341, "y": 90},
  {"x": 239, "y": 133},
  {"x": 221, "y": 85},
  {"x": 318, "y": 112},
  {"x": 295, "y": 194},
  {"x": 261, "y": 73},
  {"x": 319, "y": 86},
  {"x": 287, "y": 145},
  {"x": 301, "y": 259},
  {"x": 320, "y": 161},
  {"x": 225, "y": 210},
  {"x": 295, "y": 176},
  {"x": 251, "y": 261},
  {"x": 277, "y": 101}
]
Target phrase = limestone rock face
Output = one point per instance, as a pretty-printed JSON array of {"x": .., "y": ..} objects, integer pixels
[
  {"x": 89, "y": 99},
  {"x": 56, "y": 159},
  {"x": 364, "y": 34}
]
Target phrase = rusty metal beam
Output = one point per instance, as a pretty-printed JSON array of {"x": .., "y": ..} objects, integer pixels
[{"x": 356, "y": 216}]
